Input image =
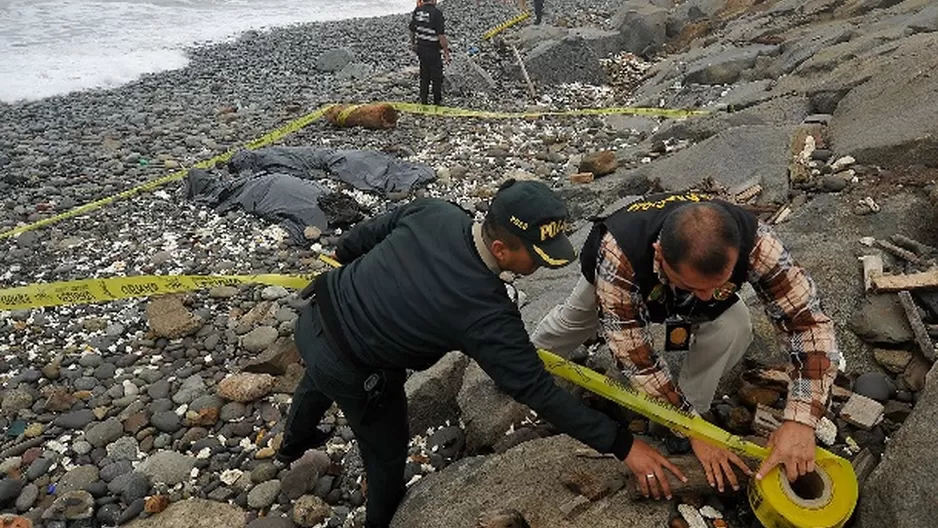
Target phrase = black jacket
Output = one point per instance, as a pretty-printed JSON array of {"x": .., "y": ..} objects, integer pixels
[
  {"x": 414, "y": 287},
  {"x": 427, "y": 23}
]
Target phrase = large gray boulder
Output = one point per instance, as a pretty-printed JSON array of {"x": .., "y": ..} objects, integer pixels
[
  {"x": 732, "y": 157},
  {"x": 464, "y": 77},
  {"x": 487, "y": 411},
  {"x": 334, "y": 60},
  {"x": 725, "y": 64},
  {"x": 890, "y": 123},
  {"x": 431, "y": 394},
  {"x": 602, "y": 42},
  {"x": 692, "y": 11},
  {"x": 899, "y": 493},
  {"x": 195, "y": 512},
  {"x": 564, "y": 61},
  {"x": 529, "y": 37},
  {"x": 642, "y": 27},
  {"x": 528, "y": 478}
]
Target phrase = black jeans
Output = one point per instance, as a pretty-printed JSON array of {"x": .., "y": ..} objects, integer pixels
[
  {"x": 431, "y": 71},
  {"x": 382, "y": 433},
  {"x": 538, "y": 11}
]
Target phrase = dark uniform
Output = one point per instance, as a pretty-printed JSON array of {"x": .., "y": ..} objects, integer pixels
[
  {"x": 637, "y": 226},
  {"x": 427, "y": 24},
  {"x": 538, "y": 11},
  {"x": 417, "y": 283}
]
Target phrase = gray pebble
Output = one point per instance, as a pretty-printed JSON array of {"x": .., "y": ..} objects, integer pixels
[
  {"x": 104, "y": 433},
  {"x": 166, "y": 421},
  {"x": 158, "y": 390},
  {"x": 27, "y": 497},
  {"x": 136, "y": 487},
  {"x": 264, "y": 494},
  {"x": 90, "y": 360},
  {"x": 116, "y": 469},
  {"x": 105, "y": 371}
]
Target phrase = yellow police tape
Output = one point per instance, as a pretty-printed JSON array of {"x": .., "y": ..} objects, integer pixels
[
  {"x": 87, "y": 291},
  {"x": 264, "y": 140},
  {"x": 446, "y": 111},
  {"x": 307, "y": 119},
  {"x": 823, "y": 501},
  {"x": 505, "y": 25}
]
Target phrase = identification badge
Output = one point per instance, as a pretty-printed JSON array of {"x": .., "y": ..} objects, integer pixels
[{"x": 677, "y": 336}]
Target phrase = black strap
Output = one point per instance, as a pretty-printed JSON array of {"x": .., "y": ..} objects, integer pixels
[{"x": 331, "y": 326}]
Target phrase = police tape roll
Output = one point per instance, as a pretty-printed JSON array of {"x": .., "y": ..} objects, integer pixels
[
  {"x": 825, "y": 499},
  {"x": 505, "y": 25},
  {"x": 87, "y": 291}
]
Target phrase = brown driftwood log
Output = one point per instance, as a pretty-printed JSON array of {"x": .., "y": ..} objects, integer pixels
[
  {"x": 696, "y": 478},
  {"x": 374, "y": 116}
]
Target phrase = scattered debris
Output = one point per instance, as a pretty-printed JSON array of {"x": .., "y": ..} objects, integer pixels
[
  {"x": 925, "y": 345},
  {"x": 872, "y": 267},
  {"x": 862, "y": 412}
]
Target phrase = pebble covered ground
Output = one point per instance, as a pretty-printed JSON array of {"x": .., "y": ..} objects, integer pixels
[{"x": 107, "y": 404}]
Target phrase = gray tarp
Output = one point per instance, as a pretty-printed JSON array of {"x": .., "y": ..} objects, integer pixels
[
  {"x": 277, "y": 184},
  {"x": 366, "y": 170}
]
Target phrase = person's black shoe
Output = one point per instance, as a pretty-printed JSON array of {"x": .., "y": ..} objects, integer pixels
[{"x": 289, "y": 454}]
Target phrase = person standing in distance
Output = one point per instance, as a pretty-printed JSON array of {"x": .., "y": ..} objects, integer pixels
[{"x": 428, "y": 39}]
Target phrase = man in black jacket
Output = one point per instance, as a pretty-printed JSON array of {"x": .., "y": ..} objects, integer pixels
[
  {"x": 417, "y": 283},
  {"x": 428, "y": 39}
]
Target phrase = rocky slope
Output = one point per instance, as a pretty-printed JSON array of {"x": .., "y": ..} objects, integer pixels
[{"x": 114, "y": 411}]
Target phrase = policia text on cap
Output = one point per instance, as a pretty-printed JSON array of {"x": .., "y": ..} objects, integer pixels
[{"x": 417, "y": 283}]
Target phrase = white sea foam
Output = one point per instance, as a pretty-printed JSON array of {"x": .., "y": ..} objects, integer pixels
[{"x": 51, "y": 47}]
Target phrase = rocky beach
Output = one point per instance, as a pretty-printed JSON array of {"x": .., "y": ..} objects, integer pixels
[{"x": 153, "y": 412}]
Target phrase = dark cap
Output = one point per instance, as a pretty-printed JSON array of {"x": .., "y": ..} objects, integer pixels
[{"x": 532, "y": 212}]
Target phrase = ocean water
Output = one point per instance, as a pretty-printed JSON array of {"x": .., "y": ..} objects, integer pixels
[{"x": 52, "y": 47}]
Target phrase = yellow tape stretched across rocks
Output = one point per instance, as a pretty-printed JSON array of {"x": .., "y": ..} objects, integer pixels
[
  {"x": 823, "y": 500},
  {"x": 264, "y": 140},
  {"x": 447, "y": 111},
  {"x": 505, "y": 25},
  {"x": 306, "y": 120},
  {"x": 86, "y": 291}
]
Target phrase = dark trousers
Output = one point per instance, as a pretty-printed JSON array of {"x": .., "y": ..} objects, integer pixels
[
  {"x": 382, "y": 433},
  {"x": 431, "y": 71},
  {"x": 538, "y": 11}
]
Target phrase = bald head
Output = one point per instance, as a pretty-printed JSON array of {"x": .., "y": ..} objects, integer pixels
[{"x": 702, "y": 236}]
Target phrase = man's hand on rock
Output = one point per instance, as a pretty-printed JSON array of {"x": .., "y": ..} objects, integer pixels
[
  {"x": 793, "y": 446},
  {"x": 648, "y": 466},
  {"x": 716, "y": 463}
]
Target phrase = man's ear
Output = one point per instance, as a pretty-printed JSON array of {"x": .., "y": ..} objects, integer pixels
[
  {"x": 657, "y": 246},
  {"x": 498, "y": 249}
]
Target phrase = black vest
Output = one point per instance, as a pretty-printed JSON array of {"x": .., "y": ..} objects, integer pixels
[
  {"x": 424, "y": 21},
  {"x": 637, "y": 226}
]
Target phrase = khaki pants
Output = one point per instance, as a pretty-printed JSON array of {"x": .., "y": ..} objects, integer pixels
[{"x": 715, "y": 348}]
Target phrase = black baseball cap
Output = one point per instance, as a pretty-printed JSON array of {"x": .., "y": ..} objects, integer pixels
[{"x": 532, "y": 212}]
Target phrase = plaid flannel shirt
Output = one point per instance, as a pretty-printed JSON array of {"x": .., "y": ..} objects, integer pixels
[{"x": 791, "y": 302}]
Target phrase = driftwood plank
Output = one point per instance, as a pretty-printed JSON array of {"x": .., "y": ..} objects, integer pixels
[
  {"x": 909, "y": 281},
  {"x": 918, "y": 327}
]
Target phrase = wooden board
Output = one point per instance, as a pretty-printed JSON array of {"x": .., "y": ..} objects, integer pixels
[
  {"x": 911, "y": 281},
  {"x": 918, "y": 327}
]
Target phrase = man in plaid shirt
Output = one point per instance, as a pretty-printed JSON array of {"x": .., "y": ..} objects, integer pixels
[{"x": 680, "y": 259}]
